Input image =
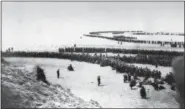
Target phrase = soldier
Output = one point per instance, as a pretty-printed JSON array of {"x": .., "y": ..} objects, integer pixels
[
  {"x": 143, "y": 92},
  {"x": 58, "y": 73},
  {"x": 125, "y": 78},
  {"x": 132, "y": 83},
  {"x": 129, "y": 77},
  {"x": 99, "y": 80},
  {"x": 70, "y": 68}
]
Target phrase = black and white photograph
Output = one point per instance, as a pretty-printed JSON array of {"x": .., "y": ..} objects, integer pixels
[{"x": 92, "y": 54}]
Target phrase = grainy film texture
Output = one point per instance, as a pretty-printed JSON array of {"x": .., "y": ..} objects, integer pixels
[{"x": 92, "y": 55}]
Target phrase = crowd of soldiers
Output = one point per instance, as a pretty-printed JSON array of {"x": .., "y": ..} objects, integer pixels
[
  {"x": 149, "y": 59},
  {"x": 138, "y": 71},
  {"x": 153, "y": 57},
  {"x": 116, "y": 64},
  {"x": 133, "y": 80}
]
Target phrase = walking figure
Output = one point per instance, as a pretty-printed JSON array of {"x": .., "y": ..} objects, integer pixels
[
  {"x": 143, "y": 92},
  {"x": 99, "y": 80},
  {"x": 58, "y": 73}
]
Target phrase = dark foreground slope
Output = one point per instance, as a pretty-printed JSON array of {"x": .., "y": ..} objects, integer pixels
[{"x": 21, "y": 90}]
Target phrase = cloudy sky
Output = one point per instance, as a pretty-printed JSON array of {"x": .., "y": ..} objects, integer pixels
[{"x": 57, "y": 23}]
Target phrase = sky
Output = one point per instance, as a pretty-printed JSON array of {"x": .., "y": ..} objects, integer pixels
[{"x": 28, "y": 24}]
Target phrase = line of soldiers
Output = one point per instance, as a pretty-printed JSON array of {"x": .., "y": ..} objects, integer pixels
[
  {"x": 118, "y": 65},
  {"x": 120, "y": 50}
]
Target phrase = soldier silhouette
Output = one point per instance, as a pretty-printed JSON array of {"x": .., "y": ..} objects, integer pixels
[
  {"x": 99, "y": 80},
  {"x": 58, "y": 73}
]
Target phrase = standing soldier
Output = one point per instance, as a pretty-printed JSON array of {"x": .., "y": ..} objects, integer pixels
[
  {"x": 143, "y": 92},
  {"x": 58, "y": 74},
  {"x": 99, "y": 80},
  {"x": 125, "y": 78},
  {"x": 132, "y": 83},
  {"x": 129, "y": 77}
]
